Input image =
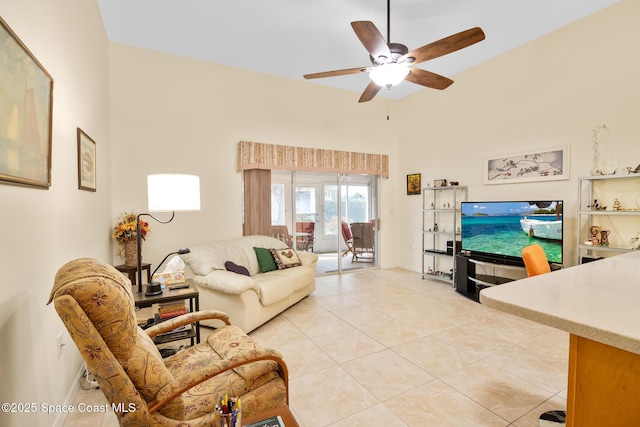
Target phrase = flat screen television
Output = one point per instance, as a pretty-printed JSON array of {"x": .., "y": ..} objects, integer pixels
[{"x": 497, "y": 231}]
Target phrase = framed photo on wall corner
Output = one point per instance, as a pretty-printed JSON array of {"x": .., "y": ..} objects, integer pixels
[
  {"x": 86, "y": 162},
  {"x": 413, "y": 184},
  {"x": 26, "y": 103}
]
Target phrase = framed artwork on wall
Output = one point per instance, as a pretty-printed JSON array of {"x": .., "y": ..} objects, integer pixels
[
  {"x": 86, "y": 162},
  {"x": 413, "y": 184},
  {"x": 550, "y": 164},
  {"x": 26, "y": 101}
]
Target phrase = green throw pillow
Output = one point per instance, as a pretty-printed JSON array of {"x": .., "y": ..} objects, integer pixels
[{"x": 265, "y": 260}]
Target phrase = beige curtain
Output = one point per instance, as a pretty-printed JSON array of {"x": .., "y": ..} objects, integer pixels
[
  {"x": 257, "y": 202},
  {"x": 255, "y": 155}
]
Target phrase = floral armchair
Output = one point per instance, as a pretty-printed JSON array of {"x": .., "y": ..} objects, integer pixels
[{"x": 95, "y": 303}]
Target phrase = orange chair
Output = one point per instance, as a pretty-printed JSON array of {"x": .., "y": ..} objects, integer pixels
[
  {"x": 536, "y": 263},
  {"x": 535, "y": 260}
]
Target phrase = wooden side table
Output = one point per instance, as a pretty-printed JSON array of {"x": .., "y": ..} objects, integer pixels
[
  {"x": 191, "y": 294},
  {"x": 131, "y": 272}
]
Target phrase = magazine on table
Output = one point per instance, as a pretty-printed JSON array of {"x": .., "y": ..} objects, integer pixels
[{"x": 268, "y": 422}]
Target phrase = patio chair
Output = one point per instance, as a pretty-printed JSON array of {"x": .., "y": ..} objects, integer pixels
[
  {"x": 281, "y": 232},
  {"x": 305, "y": 233},
  {"x": 348, "y": 239},
  {"x": 363, "y": 241}
]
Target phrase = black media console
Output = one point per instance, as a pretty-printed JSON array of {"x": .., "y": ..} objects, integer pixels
[{"x": 473, "y": 275}]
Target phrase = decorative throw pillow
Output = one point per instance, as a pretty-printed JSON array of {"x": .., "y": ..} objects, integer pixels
[
  {"x": 285, "y": 258},
  {"x": 265, "y": 260},
  {"x": 235, "y": 268}
]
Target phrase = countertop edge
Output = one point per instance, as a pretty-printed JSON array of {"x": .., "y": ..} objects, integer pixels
[{"x": 575, "y": 328}]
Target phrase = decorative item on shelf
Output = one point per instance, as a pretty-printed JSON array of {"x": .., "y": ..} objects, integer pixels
[
  {"x": 125, "y": 234},
  {"x": 439, "y": 182},
  {"x": 595, "y": 231},
  {"x": 617, "y": 206},
  {"x": 595, "y": 139},
  {"x": 604, "y": 238},
  {"x": 453, "y": 183},
  {"x": 435, "y": 227},
  {"x": 595, "y": 206}
]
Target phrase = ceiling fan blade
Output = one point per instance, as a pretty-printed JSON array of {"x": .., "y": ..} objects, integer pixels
[
  {"x": 335, "y": 73},
  {"x": 370, "y": 91},
  {"x": 427, "y": 78},
  {"x": 445, "y": 46},
  {"x": 371, "y": 38}
]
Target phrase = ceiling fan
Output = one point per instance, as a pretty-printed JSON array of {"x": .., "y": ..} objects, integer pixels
[{"x": 392, "y": 62}]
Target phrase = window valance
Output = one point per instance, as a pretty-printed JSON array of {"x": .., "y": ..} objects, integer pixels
[{"x": 255, "y": 155}]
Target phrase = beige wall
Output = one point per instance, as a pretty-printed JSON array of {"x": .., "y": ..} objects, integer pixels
[
  {"x": 547, "y": 93},
  {"x": 164, "y": 113},
  {"x": 42, "y": 229},
  {"x": 171, "y": 114}
]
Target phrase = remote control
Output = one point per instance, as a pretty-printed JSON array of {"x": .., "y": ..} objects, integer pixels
[{"x": 174, "y": 287}]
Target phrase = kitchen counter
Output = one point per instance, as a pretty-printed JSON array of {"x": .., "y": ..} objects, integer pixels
[{"x": 598, "y": 303}]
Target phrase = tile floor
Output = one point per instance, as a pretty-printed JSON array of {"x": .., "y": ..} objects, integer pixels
[{"x": 385, "y": 347}]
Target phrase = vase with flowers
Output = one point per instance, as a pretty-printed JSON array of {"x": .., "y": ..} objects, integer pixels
[{"x": 125, "y": 234}]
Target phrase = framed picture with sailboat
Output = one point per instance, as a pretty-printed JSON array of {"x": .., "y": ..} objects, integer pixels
[{"x": 25, "y": 114}]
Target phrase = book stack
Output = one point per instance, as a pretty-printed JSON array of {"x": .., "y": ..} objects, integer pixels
[{"x": 172, "y": 309}]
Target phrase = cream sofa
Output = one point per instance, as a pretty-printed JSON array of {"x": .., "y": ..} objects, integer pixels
[{"x": 249, "y": 300}]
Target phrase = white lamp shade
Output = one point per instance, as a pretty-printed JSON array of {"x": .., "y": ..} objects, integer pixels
[
  {"x": 388, "y": 74},
  {"x": 173, "y": 192}
]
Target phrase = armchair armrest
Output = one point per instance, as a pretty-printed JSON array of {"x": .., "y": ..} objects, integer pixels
[
  {"x": 200, "y": 374},
  {"x": 186, "y": 319}
]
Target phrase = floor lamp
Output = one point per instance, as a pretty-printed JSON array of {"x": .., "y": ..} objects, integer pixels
[{"x": 168, "y": 193}]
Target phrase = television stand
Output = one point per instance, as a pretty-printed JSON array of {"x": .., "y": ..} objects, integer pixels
[{"x": 469, "y": 283}]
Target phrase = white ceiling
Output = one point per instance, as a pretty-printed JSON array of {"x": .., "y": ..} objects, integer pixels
[{"x": 291, "y": 38}]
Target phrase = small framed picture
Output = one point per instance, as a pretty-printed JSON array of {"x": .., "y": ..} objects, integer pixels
[
  {"x": 86, "y": 162},
  {"x": 439, "y": 182},
  {"x": 413, "y": 184}
]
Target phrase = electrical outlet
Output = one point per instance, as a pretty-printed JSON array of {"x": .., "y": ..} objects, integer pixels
[{"x": 60, "y": 344}]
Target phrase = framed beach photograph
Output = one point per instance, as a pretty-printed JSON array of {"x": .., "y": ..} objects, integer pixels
[
  {"x": 86, "y": 162},
  {"x": 540, "y": 165},
  {"x": 26, "y": 101},
  {"x": 413, "y": 184}
]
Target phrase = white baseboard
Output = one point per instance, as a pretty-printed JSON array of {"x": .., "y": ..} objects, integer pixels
[{"x": 62, "y": 416}]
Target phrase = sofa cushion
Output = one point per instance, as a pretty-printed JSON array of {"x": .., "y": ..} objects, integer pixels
[
  {"x": 285, "y": 258},
  {"x": 228, "y": 282},
  {"x": 206, "y": 257},
  {"x": 265, "y": 260},
  {"x": 274, "y": 287},
  {"x": 235, "y": 268}
]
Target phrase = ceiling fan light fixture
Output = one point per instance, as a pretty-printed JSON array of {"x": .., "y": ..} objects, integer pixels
[{"x": 388, "y": 74}]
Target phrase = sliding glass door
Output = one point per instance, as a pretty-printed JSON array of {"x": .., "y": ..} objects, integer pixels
[{"x": 320, "y": 210}]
